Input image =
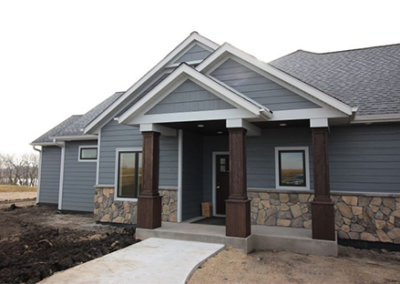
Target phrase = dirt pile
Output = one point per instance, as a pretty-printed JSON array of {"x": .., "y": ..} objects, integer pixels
[{"x": 30, "y": 252}]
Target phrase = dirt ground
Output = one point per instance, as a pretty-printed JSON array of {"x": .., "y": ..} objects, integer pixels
[
  {"x": 36, "y": 242},
  {"x": 352, "y": 266}
]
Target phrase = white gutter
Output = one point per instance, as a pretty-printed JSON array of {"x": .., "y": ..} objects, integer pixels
[
  {"x": 61, "y": 185},
  {"x": 74, "y": 137}
]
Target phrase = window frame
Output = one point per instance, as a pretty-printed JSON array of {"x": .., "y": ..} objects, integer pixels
[
  {"x": 80, "y": 159},
  {"x": 306, "y": 164},
  {"x": 117, "y": 155}
]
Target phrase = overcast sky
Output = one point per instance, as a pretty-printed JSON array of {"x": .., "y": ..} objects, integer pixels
[{"x": 59, "y": 58}]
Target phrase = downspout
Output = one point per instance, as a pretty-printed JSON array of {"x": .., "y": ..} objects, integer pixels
[
  {"x": 61, "y": 186},
  {"x": 39, "y": 173}
]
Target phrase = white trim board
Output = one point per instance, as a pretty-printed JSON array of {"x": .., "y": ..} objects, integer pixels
[
  {"x": 98, "y": 158},
  {"x": 214, "y": 181},
  {"x": 39, "y": 176},
  {"x": 136, "y": 114},
  {"x": 156, "y": 69},
  {"x": 273, "y": 74},
  {"x": 117, "y": 150}
]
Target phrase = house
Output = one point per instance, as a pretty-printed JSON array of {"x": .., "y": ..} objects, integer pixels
[{"x": 310, "y": 140}]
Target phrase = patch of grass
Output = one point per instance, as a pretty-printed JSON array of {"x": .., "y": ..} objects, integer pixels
[{"x": 16, "y": 188}]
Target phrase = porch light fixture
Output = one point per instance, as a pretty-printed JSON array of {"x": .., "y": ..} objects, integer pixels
[
  {"x": 282, "y": 124},
  {"x": 219, "y": 132},
  {"x": 200, "y": 125}
]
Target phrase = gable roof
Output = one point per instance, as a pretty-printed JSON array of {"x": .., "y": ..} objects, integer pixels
[
  {"x": 272, "y": 73},
  {"x": 73, "y": 126},
  {"x": 194, "y": 37},
  {"x": 367, "y": 78},
  {"x": 181, "y": 74}
]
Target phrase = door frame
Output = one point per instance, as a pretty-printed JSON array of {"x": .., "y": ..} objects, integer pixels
[{"x": 214, "y": 179}]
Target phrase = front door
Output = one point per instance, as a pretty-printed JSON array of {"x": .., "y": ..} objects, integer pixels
[{"x": 222, "y": 182}]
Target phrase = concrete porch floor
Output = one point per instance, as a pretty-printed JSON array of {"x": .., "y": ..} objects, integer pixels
[{"x": 263, "y": 237}]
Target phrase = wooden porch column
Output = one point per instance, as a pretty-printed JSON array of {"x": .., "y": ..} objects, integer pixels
[
  {"x": 149, "y": 200},
  {"x": 237, "y": 205},
  {"x": 323, "y": 217}
]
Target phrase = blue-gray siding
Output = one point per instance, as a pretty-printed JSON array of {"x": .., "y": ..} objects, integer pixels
[
  {"x": 365, "y": 158},
  {"x": 192, "y": 175},
  {"x": 193, "y": 54},
  {"x": 114, "y": 135},
  {"x": 261, "y": 153},
  {"x": 79, "y": 179},
  {"x": 50, "y": 175},
  {"x": 259, "y": 88},
  {"x": 189, "y": 97}
]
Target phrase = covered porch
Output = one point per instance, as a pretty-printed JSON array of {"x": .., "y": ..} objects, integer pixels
[{"x": 214, "y": 152}]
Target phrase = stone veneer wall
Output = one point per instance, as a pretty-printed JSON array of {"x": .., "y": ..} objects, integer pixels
[
  {"x": 357, "y": 217},
  {"x": 106, "y": 209}
]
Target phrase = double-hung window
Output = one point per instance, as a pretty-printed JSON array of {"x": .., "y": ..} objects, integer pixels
[
  {"x": 292, "y": 168},
  {"x": 128, "y": 174}
]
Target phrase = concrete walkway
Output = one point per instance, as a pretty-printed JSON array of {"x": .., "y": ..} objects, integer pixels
[{"x": 154, "y": 260}]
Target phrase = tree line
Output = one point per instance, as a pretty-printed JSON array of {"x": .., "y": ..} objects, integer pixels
[{"x": 19, "y": 169}]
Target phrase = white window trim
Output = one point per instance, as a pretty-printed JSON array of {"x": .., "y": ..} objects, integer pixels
[
  {"x": 116, "y": 198},
  {"x": 89, "y": 160},
  {"x": 307, "y": 162}
]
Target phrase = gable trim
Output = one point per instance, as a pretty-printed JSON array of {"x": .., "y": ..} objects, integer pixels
[
  {"x": 176, "y": 78},
  {"x": 189, "y": 40},
  {"x": 272, "y": 72}
]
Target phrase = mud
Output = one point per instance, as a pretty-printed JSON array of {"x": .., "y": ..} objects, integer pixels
[{"x": 36, "y": 242}]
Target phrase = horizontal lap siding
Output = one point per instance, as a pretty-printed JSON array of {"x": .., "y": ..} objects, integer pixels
[
  {"x": 79, "y": 179},
  {"x": 189, "y": 97},
  {"x": 114, "y": 135},
  {"x": 193, "y": 54},
  {"x": 259, "y": 88},
  {"x": 365, "y": 158},
  {"x": 261, "y": 153},
  {"x": 50, "y": 175},
  {"x": 192, "y": 175}
]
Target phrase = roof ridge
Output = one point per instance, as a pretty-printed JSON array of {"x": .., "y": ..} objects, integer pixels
[{"x": 346, "y": 50}]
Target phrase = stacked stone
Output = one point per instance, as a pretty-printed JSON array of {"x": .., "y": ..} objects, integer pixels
[
  {"x": 375, "y": 219},
  {"x": 169, "y": 205},
  {"x": 281, "y": 209},
  {"x": 109, "y": 211}
]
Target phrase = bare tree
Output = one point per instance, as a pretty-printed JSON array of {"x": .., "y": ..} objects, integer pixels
[{"x": 19, "y": 169}]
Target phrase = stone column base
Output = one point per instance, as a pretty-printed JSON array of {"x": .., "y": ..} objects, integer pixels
[
  {"x": 238, "y": 223},
  {"x": 323, "y": 220},
  {"x": 149, "y": 212}
]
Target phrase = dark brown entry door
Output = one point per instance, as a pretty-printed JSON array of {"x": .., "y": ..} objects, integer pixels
[{"x": 222, "y": 182}]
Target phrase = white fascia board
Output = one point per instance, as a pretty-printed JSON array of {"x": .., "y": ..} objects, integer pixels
[
  {"x": 189, "y": 40},
  {"x": 252, "y": 130},
  {"x": 177, "y": 77},
  {"x": 319, "y": 123},
  {"x": 376, "y": 118},
  {"x": 166, "y": 131},
  {"x": 43, "y": 144},
  {"x": 297, "y": 114},
  {"x": 227, "y": 48},
  {"x": 75, "y": 138},
  {"x": 191, "y": 116}
]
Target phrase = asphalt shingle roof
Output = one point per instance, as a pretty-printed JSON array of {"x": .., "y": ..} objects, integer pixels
[
  {"x": 367, "y": 78},
  {"x": 75, "y": 125}
]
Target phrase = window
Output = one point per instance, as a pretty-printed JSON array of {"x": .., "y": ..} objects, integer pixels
[
  {"x": 292, "y": 168},
  {"x": 87, "y": 153},
  {"x": 129, "y": 174}
]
